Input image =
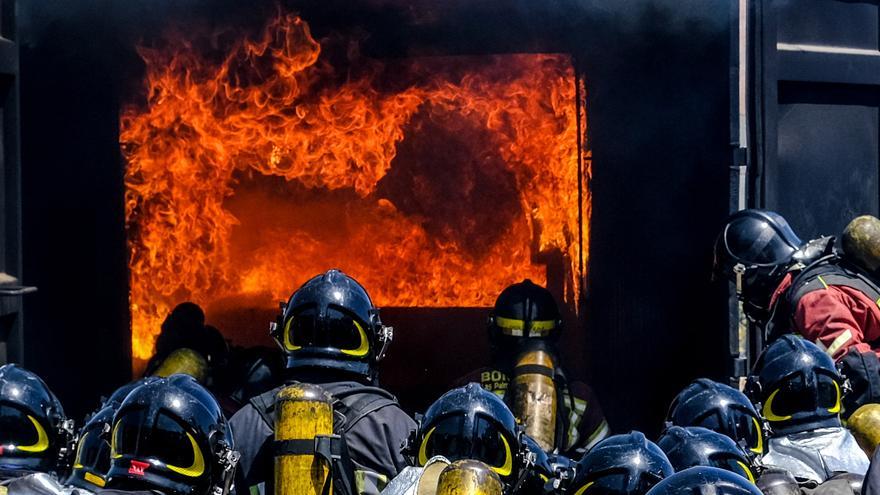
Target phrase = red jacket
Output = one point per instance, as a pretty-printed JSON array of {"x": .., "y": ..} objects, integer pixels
[{"x": 836, "y": 318}]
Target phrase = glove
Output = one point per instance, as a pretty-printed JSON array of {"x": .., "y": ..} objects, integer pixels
[{"x": 862, "y": 369}]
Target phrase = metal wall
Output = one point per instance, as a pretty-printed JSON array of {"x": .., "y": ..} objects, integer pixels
[
  {"x": 11, "y": 289},
  {"x": 817, "y": 102}
]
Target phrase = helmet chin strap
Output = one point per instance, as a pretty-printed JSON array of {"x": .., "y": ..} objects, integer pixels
[
  {"x": 386, "y": 335},
  {"x": 738, "y": 270}
]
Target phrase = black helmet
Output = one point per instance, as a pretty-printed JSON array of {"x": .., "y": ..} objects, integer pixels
[
  {"x": 170, "y": 435},
  {"x": 628, "y": 464},
  {"x": 759, "y": 245},
  {"x": 696, "y": 446},
  {"x": 35, "y": 435},
  {"x": 720, "y": 408},
  {"x": 705, "y": 480},
  {"x": 330, "y": 322},
  {"x": 796, "y": 386},
  {"x": 472, "y": 423},
  {"x": 524, "y": 310},
  {"x": 92, "y": 459}
]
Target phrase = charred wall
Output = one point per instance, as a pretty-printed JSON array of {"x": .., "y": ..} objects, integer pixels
[{"x": 657, "y": 75}]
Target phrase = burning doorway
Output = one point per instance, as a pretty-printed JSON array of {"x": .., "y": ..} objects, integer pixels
[{"x": 256, "y": 162}]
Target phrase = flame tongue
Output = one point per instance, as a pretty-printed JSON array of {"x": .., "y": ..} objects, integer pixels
[{"x": 248, "y": 175}]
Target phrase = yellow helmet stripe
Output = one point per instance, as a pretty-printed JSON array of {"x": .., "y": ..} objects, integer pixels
[
  {"x": 77, "y": 464},
  {"x": 42, "y": 438},
  {"x": 537, "y": 326},
  {"x": 287, "y": 343},
  {"x": 584, "y": 488},
  {"x": 747, "y": 471},
  {"x": 768, "y": 409},
  {"x": 759, "y": 448},
  {"x": 94, "y": 479},
  {"x": 197, "y": 468},
  {"x": 423, "y": 449},
  {"x": 113, "y": 441},
  {"x": 507, "y": 467},
  {"x": 836, "y": 408},
  {"x": 364, "y": 347}
]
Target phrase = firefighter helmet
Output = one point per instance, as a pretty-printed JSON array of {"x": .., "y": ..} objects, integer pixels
[
  {"x": 472, "y": 423},
  {"x": 758, "y": 246},
  {"x": 696, "y": 446},
  {"x": 720, "y": 408},
  {"x": 524, "y": 310},
  {"x": 705, "y": 480},
  {"x": 628, "y": 464},
  {"x": 796, "y": 386},
  {"x": 330, "y": 322},
  {"x": 35, "y": 435},
  {"x": 170, "y": 435}
]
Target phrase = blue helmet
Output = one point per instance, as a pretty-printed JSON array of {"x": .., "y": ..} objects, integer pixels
[
  {"x": 696, "y": 446},
  {"x": 720, "y": 408},
  {"x": 759, "y": 246},
  {"x": 35, "y": 435},
  {"x": 627, "y": 464},
  {"x": 330, "y": 322},
  {"x": 704, "y": 480},
  {"x": 796, "y": 386},
  {"x": 171, "y": 435}
]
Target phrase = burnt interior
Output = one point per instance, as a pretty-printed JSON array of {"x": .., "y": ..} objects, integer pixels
[{"x": 656, "y": 74}]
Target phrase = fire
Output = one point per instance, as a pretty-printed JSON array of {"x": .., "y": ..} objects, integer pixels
[{"x": 434, "y": 181}]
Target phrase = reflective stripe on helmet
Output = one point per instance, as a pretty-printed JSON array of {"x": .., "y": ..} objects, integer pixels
[
  {"x": 768, "y": 409},
  {"x": 515, "y": 327},
  {"x": 759, "y": 445},
  {"x": 42, "y": 442},
  {"x": 197, "y": 468}
]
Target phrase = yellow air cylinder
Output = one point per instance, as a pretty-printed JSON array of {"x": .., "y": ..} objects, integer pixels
[
  {"x": 468, "y": 477},
  {"x": 185, "y": 361},
  {"x": 535, "y": 396},
  {"x": 861, "y": 241},
  {"x": 865, "y": 427},
  {"x": 302, "y": 412}
]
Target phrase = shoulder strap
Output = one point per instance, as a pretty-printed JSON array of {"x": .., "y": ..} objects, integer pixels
[
  {"x": 264, "y": 404},
  {"x": 354, "y": 403},
  {"x": 828, "y": 271}
]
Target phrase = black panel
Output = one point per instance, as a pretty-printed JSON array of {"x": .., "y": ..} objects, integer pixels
[
  {"x": 828, "y": 156},
  {"x": 829, "y": 23}
]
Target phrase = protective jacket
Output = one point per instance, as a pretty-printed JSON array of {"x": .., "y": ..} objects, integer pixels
[
  {"x": 816, "y": 455},
  {"x": 580, "y": 417},
  {"x": 39, "y": 484},
  {"x": 373, "y": 425},
  {"x": 831, "y": 304}
]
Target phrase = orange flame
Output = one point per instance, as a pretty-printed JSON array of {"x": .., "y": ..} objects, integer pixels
[{"x": 249, "y": 173}]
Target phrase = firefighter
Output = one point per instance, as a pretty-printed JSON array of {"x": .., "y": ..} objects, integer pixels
[
  {"x": 696, "y": 446},
  {"x": 170, "y": 436},
  {"x": 627, "y": 464},
  {"x": 523, "y": 329},
  {"x": 332, "y": 336},
  {"x": 704, "y": 480},
  {"x": 720, "y": 408},
  {"x": 799, "y": 392},
  {"x": 787, "y": 285},
  {"x": 35, "y": 435},
  {"x": 472, "y": 423}
]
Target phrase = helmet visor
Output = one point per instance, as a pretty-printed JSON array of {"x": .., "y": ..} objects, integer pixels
[
  {"x": 737, "y": 466},
  {"x": 336, "y": 329},
  {"x": 93, "y": 453},
  {"x": 21, "y": 430},
  {"x": 796, "y": 395},
  {"x": 760, "y": 243},
  {"x": 449, "y": 438},
  {"x": 164, "y": 439}
]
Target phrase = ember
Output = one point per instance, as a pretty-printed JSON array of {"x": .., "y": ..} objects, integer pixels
[{"x": 435, "y": 182}]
